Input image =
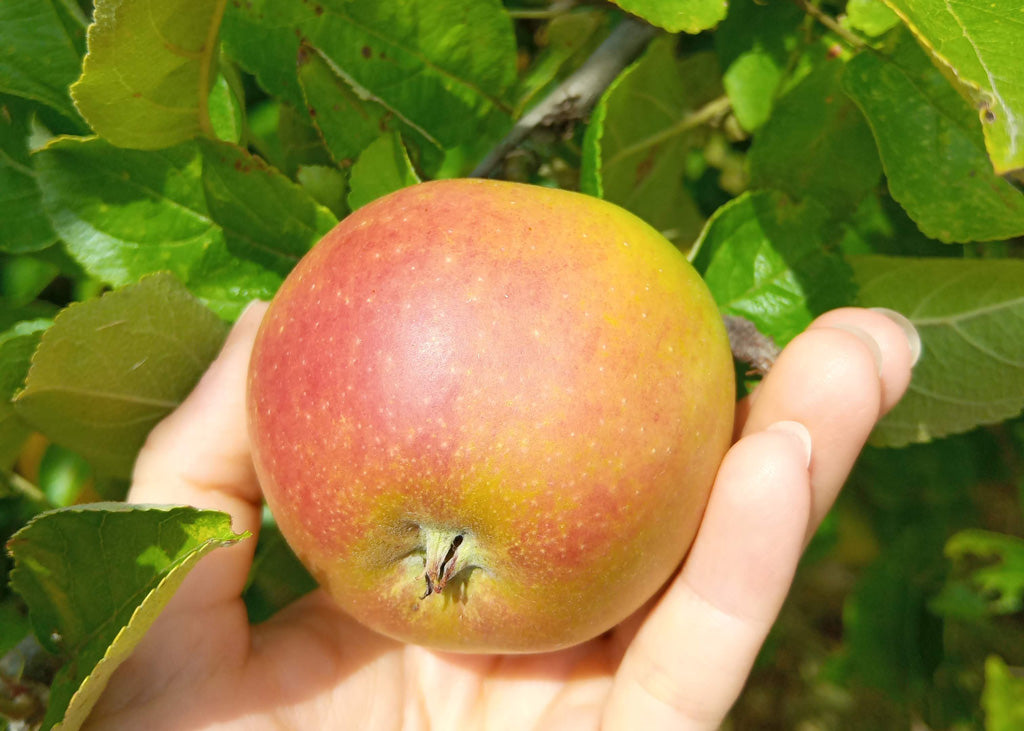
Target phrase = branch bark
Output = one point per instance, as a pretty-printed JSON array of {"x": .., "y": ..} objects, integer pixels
[{"x": 580, "y": 91}]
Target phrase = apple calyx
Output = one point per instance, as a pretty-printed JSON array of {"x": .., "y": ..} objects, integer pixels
[{"x": 446, "y": 556}]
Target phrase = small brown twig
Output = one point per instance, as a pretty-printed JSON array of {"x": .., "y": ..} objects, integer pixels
[{"x": 749, "y": 345}]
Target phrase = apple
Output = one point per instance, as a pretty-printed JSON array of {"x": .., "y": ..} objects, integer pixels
[{"x": 487, "y": 415}]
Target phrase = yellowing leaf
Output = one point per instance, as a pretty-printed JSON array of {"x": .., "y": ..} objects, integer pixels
[
  {"x": 979, "y": 46},
  {"x": 150, "y": 67}
]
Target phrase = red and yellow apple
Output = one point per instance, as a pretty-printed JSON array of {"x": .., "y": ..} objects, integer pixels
[{"x": 487, "y": 415}]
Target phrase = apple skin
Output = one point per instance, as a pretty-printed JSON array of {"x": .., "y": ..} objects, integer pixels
[{"x": 520, "y": 392}]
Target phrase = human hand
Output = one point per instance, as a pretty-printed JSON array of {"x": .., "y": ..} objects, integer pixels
[{"x": 680, "y": 662}]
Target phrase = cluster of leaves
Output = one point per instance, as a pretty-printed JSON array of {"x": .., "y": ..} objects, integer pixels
[{"x": 164, "y": 162}]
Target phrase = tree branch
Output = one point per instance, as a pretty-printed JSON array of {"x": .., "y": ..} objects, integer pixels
[
  {"x": 580, "y": 91},
  {"x": 852, "y": 39}
]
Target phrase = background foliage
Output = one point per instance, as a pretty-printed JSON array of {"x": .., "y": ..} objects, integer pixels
[{"x": 163, "y": 162}]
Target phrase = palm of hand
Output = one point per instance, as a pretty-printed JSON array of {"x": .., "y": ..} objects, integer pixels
[
  {"x": 678, "y": 663},
  {"x": 311, "y": 667}
]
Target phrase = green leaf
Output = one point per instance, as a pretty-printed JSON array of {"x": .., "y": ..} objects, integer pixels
[
  {"x": 755, "y": 46},
  {"x": 127, "y": 213},
  {"x": 65, "y": 477},
  {"x": 383, "y": 168},
  {"x": 978, "y": 46},
  {"x": 443, "y": 67},
  {"x": 1001, "y": 580},
  {"x": 263, "y": 37},
  {"x": 14, "y": 625},
  {"x": 871, "y": 17},
  {"x": 226, "y": 111},
  {"x": 16, "y": 348},
  {"x": 41, "y": 51},
  {"x": 932, "y": 148},
  {"x": 138, "y": 555},
  {"x": 299, "y": 141},
  {"x": 881, "y": 226},
  {"x": 328, "y": 186},
  {"x": 816, "y": 144},
  {"x": 635, "y": 149},
  {"x": 109, "y": 369},
  {"x": 443, "y": 78},
  {"x": 1003, "y": 697},
  {"x": 689, "y": 16},
  {"x": 151, "y": 64},
  {"x": 23, "y": 278},
  {"x": 265, "y": 217},
  {"x": 969, "y": 314},
  {"x": 23, "y": 225},
  {"x": 766, "y": 258},
  {"x": 347, "y": 123},
  {"x": 891, "y": 640}
]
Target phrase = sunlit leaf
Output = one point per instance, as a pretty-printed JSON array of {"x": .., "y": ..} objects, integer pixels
[
  {"x": 443, "y": 67},
  {"x": 127, "y": 213},
  {"x": 872, "y": 17},
  {"x": 691, "y": 16},
  {"x": 151, "y": 64},
  {"x": 138, "y": 555},
  {"x": 1000, "y": 581},
  {"x": 766, "y": 258},
  {"x": 1003, "y": 697},
  {"x": 226, "y": 111},
  {"x": 327, "y": 185},
  {"x": 756, "y": 45},
  {"x": 346, "y": 122},
  {"x": 383, "y": 168},
  {"x": 109, "y": 369}
]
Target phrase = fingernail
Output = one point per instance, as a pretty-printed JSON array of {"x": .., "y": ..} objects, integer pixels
[
  {"x": 913, "y": 337},
  {"x": 798, "y": 430},
  {"x": 872, "y": 344}
]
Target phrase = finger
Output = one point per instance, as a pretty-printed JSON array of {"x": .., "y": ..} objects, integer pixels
[
  {"x": 837, "y": 378},
  {"x": 898, "y": 344},
  {"x": 199, "y": 456},
  {"x": 688, "y": 662}
]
